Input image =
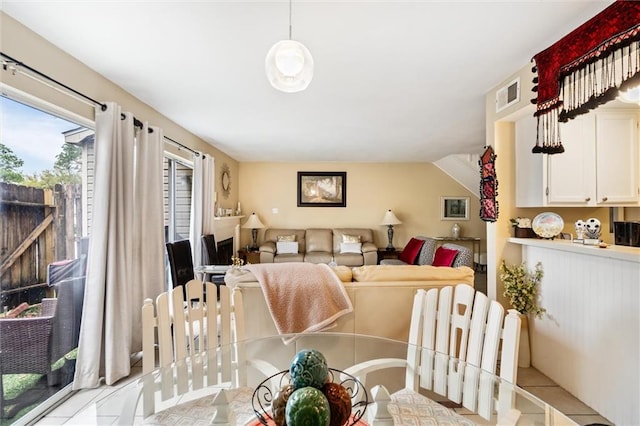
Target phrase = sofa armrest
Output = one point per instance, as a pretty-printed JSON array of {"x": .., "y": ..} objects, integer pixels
[
  {"x": 268, "y": 247},
  {"x": 369, "y": 247},
  {"x": 267, "y": 252}
]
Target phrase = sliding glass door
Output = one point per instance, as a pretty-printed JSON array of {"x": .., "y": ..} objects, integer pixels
[{"x": 46, "y": 193}]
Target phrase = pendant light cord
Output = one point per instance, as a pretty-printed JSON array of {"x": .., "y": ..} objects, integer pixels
[{"x": 289, "y": 19}]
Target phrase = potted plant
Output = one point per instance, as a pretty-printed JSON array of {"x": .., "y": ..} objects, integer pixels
[
  {"x": 522, "y": 227},
  {"x": 521, "y": 287}
]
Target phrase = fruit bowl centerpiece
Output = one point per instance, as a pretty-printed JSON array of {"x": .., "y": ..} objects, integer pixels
[{"x": 310, "y": 393}]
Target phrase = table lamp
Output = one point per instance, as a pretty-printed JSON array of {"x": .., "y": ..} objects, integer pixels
[
  {"x": 390, "y": 219},
  {"x": 254, "y": 224}
]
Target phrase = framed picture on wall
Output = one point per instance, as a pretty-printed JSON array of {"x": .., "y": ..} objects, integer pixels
[
  {"x": 322, "y": 189},
  {"x": 454, "y": 208}
]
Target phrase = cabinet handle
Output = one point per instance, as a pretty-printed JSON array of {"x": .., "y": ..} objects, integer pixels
[
  {"x": 587, "y": 199},
  {"x": 604, "y": 199}
]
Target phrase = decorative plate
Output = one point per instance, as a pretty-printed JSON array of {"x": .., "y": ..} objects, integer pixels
[{"x": 547, "y": 225}]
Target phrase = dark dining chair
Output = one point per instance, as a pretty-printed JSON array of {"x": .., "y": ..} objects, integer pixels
[
  {"x": 210, "y": 257},
  {"x": 180, "y": 262}
]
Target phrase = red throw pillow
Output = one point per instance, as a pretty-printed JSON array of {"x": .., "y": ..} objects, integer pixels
[
  {"x": 411, "y": 250},
  {"x": 444, "y": 256}
]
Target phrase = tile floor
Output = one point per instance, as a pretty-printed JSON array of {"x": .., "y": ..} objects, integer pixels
[{"x": 532, "y": 380}]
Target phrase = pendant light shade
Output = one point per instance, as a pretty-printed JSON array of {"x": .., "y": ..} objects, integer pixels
[{"x": 289, "y": 66}]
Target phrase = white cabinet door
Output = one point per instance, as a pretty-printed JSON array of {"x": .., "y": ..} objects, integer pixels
[
  {"x": 571, "y": 175},
  {"x": 530, "y": 168},
  {"x": 617, "y": 158}
]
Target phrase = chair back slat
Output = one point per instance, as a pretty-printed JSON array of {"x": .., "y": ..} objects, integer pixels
[
  {"x": 492, "y": 335},
  {"x": 428, "y": 338},
  {"x": 476, "y": 329},
  {"x": 415, "y": 339},
  {"x": 510, "y": 346},
  {"x": 226, "y": 333},
  {"x": 443, "y": 327},
  {"x": 459, "y": 334},
  {"x": 474, "y": 351}
]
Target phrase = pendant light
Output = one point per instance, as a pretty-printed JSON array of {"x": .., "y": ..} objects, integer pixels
[{"x": 289, "y": 64}]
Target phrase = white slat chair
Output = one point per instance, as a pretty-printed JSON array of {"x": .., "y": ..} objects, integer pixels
[
  {"x": 193, "y": 344},
  {"x": 455, "y": 339}
]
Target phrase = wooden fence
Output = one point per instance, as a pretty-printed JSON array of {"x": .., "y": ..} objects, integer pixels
[{"x": 38, "y": 227}]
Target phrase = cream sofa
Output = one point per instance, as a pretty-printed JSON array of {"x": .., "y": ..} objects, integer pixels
[
  {"x": 381, "y": 295},
  {"x": 319, "y": 245}
]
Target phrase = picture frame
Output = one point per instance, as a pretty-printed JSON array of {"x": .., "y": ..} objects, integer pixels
[
  {"x": 454, "y": 208},
  {"x": 322, "y": 189}
]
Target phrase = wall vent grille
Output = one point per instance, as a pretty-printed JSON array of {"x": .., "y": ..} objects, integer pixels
[{"x": 508, "y": 95}]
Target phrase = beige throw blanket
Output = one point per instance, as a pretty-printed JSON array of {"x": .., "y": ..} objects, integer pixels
[{"x": 302, "y": 297}]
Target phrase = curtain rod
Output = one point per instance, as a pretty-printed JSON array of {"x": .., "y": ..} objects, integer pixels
[{"x": 136, "y": 122}]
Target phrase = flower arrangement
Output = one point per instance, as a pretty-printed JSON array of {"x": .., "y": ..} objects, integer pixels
[
  {"x": 522, "y": 227},
  {"x": 236, "y": 262},
  {"x": 521, "y": 287},
  {"x": 520, "y": 222}
]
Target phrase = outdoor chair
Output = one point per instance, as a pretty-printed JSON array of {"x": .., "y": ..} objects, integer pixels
[
  {"x": 455, "y": 339},
  {"x": 25, "y": 345}
]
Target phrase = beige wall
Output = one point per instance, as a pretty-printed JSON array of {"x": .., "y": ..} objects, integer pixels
[
  {"x": 26, "y": 46},
  {"x": 411, "y": 190}
]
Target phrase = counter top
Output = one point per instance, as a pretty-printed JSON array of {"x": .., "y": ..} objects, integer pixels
[{"x": 631, "y": 254}]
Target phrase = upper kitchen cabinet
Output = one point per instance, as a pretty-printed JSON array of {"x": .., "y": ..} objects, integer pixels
[
  {"x": 617, "y": 158},
  {"x": 600, "y": 165}
]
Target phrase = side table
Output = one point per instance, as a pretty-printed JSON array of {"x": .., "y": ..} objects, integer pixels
[
  {"x": 384, "y": 253},
  {"x": 249, "y": 256}
]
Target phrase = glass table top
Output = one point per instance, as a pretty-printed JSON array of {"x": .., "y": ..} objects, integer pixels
[{"x": 451, "y": 391}]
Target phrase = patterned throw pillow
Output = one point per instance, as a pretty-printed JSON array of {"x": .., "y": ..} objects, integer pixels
[
  {"x": 286, "y": 238},
  {"x": 444, "y": 256},
  {"x": 350, "y": 238}
]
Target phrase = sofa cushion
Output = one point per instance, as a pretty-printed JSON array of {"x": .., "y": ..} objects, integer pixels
[
  {"x": 344, "y": 273},
  {"x": 287, "y": 247},
  {"x": 271, "y": 234},
  {"x": 411, "y": 250},
  {"x": 366, "y": 235},
  {"x": 319, "y": 240},
  {"x": 444, "y": 256},
  {"x": 286, "y": 238},
  {"x": 392, "y": 273},
  {"x": 350, "y": 247}
]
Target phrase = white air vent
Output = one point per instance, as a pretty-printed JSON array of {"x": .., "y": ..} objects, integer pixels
[{"x": 508, "y": 95}]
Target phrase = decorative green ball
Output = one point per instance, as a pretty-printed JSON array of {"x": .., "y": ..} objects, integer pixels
[
  {"x": 309, "y": 368},
  {"x": 307, "y": 406}
]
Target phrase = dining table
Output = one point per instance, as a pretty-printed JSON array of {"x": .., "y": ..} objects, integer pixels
[{"x": 379, "y": 399}]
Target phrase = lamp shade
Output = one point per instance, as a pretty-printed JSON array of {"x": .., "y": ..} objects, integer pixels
[
  {"x": 253, "y": 222},
  {"x": 390, "y": 219},
  {"x": 289, "y": 66}
]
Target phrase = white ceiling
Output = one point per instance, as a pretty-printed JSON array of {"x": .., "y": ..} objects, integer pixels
[{"x": 395, "y": 81}]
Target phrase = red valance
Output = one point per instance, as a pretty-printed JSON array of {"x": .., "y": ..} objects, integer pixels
[{"x": 586, "y": 68}]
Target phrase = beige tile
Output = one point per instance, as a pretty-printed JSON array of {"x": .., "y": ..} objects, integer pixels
[
  {"x": 560, "y": 399},
  {"x": 77, "y": 402},
  {"x": 532, "y": 377}
]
